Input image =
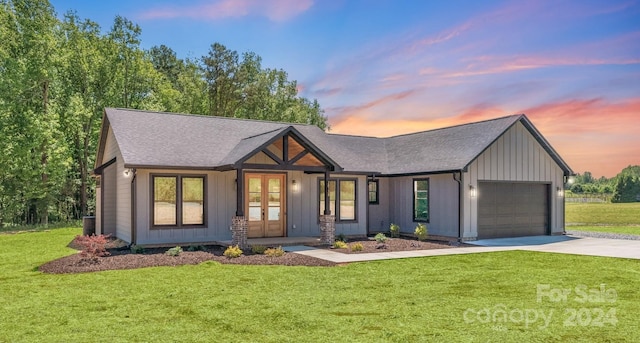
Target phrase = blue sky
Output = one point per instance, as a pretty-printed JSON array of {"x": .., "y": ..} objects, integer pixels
[{"x": 389, "y": 67}]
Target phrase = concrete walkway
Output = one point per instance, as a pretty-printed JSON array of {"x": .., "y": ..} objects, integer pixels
[{"x": 557, "y": 244}]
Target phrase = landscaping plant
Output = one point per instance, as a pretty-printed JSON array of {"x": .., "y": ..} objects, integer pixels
[
  {"x": 274, "y": 252},
  {"x": 380, "y": 238},
  {"x": 233, "y": 252},
  {"x": 340, "y": 244},
  {"x": 93, "y": 246},
  {"x": 421, "y": 231},
  {"x": 394, "y": 229},
  {"x": 175, "y": 251},
  {"x": 258, "y": 249},
  {"x": 357, "y": 246}
]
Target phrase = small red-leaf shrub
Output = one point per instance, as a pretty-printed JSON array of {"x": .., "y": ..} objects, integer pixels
[{"x": 93, "y": 246}]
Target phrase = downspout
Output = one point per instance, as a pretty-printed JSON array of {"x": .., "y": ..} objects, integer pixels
[
  {"x": 458, "y": 177},
  {"x": 133, "y": 207}
]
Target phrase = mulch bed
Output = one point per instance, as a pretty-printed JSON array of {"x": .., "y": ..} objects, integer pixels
[
  {"x": 125, "y": 259},
  {"x": 122, "y": 258},
  {"x": 393, "y": 244}
]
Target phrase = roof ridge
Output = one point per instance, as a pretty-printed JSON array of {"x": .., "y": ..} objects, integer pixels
[
  {"x": 206, "y": 116},
  {"x": 454, "y": 126},
  {"x": 267, "y": 132}
]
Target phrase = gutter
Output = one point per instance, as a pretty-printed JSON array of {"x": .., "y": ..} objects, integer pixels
[
  {"x": 457, "y": 176},
  {"x": 133, "y": 208}
]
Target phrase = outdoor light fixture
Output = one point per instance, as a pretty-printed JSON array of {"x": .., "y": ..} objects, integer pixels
[
  {"x": 294, "y": 186},
  {"x": 127, "y": 172},
  {"x": 560, "y": 192},
  {"x": 472, "y": 191}
]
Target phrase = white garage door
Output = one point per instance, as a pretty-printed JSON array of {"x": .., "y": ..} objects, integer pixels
[{"x": 512, "y": 209}]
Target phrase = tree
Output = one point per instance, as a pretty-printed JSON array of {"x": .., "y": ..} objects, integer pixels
[
  {"x": 627, "y": 187},
  {"x": 36, "y": 160},
  {"x": 241, "y": 88}
]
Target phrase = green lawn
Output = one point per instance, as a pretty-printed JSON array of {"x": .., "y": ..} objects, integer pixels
[
  {"x": 410, "y": 300},
  {"x": 604, "y": 217}
]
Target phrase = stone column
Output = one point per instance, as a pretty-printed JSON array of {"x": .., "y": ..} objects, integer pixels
[
  {"x": 239, "y": 228},
  {"x": 327, "y": 229}
]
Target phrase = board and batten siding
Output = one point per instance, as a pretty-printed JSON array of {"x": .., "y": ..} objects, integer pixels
[
  {"x": 220, "y": 202},
  {"x": 514, "y": 157},
  {"x": 443, "y": 204},
  {"x": 117, "y": 193},
  {"x": 379, "y": 213},
  {"x": 304, "y": 206}
]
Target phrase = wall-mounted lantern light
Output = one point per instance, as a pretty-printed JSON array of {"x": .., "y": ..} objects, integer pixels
[
  {"x": 295, "y": 186},
  {"x": 559, "y": 192},
  {"x": 472, "y": 192},
  {"x": 127, "y": 172}
]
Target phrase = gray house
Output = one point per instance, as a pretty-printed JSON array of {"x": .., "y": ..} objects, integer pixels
[{"x": 175, "y": 179}]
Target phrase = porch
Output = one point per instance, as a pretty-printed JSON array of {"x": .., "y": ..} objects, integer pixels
[{"x": 279, "y": 241}]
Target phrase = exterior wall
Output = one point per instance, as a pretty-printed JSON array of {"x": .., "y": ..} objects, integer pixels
[
  {"x": 516, "y": 157},
  {"x": 220, "y": 202},
  {"x": 379, "y": 213},
  {"x": 443, "y": 204},
  {"x": 110, "y": 200},
  {"x": 304, "y": 207},
  {"x": 98, "y": 211},
  {"x": 117, "y": 192}
]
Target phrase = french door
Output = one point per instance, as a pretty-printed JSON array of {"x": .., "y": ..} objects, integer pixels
[{"x": 265, "y": 204}]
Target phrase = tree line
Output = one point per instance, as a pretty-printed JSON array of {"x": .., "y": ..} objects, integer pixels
[
  {"x": 624, "y": 187},
  {"x": 58, "y": 74}
]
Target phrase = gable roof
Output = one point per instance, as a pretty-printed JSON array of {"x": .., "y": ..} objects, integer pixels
[{"x": 168, "y": 140}]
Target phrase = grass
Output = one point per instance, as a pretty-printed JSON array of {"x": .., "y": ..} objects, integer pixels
[
  {"x": 409, "y": 300},
  {"x": 604, "y": 217}
]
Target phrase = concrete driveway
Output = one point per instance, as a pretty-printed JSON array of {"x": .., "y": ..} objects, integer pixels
[{"x": 606, "y": 247}]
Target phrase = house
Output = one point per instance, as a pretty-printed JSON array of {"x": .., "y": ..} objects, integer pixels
[{"x": 175, "y": 179}]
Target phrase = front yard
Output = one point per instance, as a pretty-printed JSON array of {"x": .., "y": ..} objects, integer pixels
[{"x": 506, "y": 296}]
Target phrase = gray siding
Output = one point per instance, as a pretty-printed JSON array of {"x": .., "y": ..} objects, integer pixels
[
  {"x": 379, "y": 213},
  {"x": 304, "y": 207},
  {"x": 221, "y": 207},
  {"x": 517, "y": 157},
  {"x": 98, "y": 211},
  {"x": 117, "y": 193},
  {"x": 110, "y": 198},
  {"x": 443, "y": 204}
]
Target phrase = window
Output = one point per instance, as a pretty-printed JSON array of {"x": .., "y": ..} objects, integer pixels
[
  {"x": 178, "y": 200},
  {"x": 342, "y": 199},
  {"x": 421, "y": 200},
  {"x": 373, "y": 191}
]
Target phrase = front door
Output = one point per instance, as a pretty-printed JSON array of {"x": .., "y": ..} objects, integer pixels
[{"x": 265, "y": 204}]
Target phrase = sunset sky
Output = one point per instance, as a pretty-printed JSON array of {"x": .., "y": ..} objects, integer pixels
[{"x": 383, "y": 68}]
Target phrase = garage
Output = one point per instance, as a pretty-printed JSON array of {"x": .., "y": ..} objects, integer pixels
[{"x": 509, "y": 209}]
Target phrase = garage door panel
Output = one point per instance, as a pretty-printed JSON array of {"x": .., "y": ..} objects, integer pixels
[{"x": 512, "y": 209}]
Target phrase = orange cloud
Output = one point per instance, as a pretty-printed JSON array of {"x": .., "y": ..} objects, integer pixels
[
  {"x": 592, "y": 135},
  {"x": 274, "y": 10}
]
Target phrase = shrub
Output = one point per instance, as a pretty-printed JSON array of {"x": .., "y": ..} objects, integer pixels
[
  {"x": 341, "y": 237},
  {"x": 258, "y": 249},
  {"x": 394, "y": 229},
  {"x": 196, "y": 248},
  {"x": 421, "y": 231},
  {"x": 340, "y": 245},
  {"x": 357, "y": 246},
  {"x": 175, "y": 251},
  {"x": 93, "y": 246},
  {"x": 137, "y": 249},
  {"x": 233, "y": 252},
  {"x": 380, "y": 238},
  {"x": 274, "y": 252}
]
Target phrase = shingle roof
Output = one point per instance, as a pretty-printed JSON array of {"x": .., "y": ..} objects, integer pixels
[{"x": 156, "y": 139}]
